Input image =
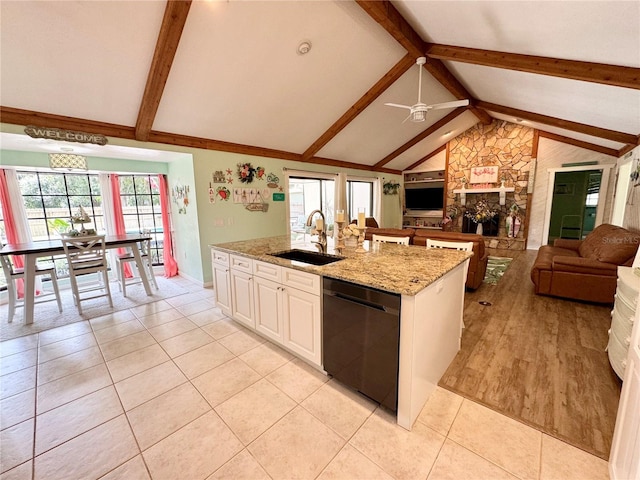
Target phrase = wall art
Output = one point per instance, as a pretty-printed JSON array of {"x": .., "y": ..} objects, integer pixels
[
  {"x": 484, "y": 174},
  {"x": 247, "y": 173},
  {"x": 180, "y": 195},
  {"x": 272, "y": 180},
  {"x": 218, "y": 177},
  {"x": 223, "y": 193}
]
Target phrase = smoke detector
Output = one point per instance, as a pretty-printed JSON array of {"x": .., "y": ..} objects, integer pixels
[{"x": 304, "y": 47}]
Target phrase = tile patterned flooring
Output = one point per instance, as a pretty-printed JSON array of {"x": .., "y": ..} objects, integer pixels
[{"x": 175, "y": 390}]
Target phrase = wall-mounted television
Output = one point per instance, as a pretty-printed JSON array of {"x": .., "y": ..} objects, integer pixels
[{"x": 424, "y": 196}]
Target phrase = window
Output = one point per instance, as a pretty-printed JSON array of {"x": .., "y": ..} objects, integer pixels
[
  {"x": 359, "y": 195},
  {"x": 307, "y": 194},
  {"x": 50, "y": 196},
  {"x": 140, "y": 197}
]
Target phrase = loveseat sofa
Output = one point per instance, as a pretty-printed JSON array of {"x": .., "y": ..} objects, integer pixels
[
  {"x": 477, "y": 263},
  {"x": 585, "y": 269}
]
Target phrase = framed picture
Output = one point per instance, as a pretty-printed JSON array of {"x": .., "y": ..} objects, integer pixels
[{"x": 484, "y": 174}]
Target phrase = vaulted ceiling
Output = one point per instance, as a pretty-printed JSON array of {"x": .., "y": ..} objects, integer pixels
[{"x": 227, "y": 75}]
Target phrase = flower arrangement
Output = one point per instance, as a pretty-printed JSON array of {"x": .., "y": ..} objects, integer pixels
[
  {"x": 451, "y": 215},
  {"x": 481, "y": 212}
]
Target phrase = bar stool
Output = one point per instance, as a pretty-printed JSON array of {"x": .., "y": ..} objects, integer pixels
[
  {"x": 128, "y": 258},
  {"x": 12, "y": 274}
]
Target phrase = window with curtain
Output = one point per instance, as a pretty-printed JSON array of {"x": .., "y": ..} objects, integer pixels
[
  {"x": 360, "y": 195},
  {"x": 3, "y": 237},
  {"x": 140, "y": 197},
  {"x": 307, "y": 194}
]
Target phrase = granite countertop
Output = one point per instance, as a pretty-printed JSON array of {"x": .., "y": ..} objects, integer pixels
[{"x": 393, "y": 268}]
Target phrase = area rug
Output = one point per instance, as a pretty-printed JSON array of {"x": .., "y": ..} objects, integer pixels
[
  {"x": 496, "y": 266},
  {"x": 46, "y": 315}
]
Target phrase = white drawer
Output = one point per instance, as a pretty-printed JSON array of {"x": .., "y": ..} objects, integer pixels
[
  {"x": 622, "y": 325},
  {"x": 628, "y": 289},
  {"x": 617, "y": 355},
  {"x": 221, "y": 258},
  {"x": 243, "y": 264},
  {"x": 622, "y": 306},
  {"x": 268, "y": 271},
  {"x": 307, "y": 282}
]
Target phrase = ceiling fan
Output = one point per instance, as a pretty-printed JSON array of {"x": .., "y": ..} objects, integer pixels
[{"x": 419, "y": 110}]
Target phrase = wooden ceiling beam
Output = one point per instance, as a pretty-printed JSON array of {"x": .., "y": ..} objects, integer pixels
[
  {"x": 383, "y": 12},
  {"x": 598, "y": 132},
  {"x": 427, "y": 157},
  {"x": 175, "y": 16},
  {"x": 17, "y": 116},
  {"x": 578, "y": 143},
  {"x": 626, "y": 149},
  {"x": 367, "y": 99},
  {"x": 431, "y": 129},
  {"x": 618, "y": 76}
]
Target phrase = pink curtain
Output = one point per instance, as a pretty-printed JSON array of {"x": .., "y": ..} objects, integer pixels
[
  {"x": 118, "y": 217},
  {"x": 10, "y": 228},
  {"x": 170, "y": 264}
]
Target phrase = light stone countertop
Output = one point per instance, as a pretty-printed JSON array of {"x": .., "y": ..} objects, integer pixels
[{"x": 393, "y": 268}]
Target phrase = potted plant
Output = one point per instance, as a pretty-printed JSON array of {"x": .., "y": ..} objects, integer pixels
[{"x": 481, "y": 213}]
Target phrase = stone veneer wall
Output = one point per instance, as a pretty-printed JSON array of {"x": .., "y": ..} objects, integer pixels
[{"x": 501, "y": 143}]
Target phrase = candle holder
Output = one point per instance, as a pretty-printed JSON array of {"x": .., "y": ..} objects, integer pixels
[
  {"x": 361, "y": 230},
  {"x": 340, "y": 246}
]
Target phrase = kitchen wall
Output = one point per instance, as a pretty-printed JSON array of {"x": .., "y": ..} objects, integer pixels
[{"x": 203, "y": 223}]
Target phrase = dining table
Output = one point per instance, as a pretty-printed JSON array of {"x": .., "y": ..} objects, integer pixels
[{"x": 47, "y": 248}]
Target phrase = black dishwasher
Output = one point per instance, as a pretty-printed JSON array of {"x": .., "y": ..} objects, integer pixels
[{"x": 360, "y": 339}]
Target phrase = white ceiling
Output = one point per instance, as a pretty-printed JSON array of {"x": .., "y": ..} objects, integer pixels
[{"x": 237, "y": 77}]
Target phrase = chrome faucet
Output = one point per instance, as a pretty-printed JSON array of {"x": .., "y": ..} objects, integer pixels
[{"x": 322, "y": 236}]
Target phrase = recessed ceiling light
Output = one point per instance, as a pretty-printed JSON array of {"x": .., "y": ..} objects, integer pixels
[
  {"x": 304, "y": 47},
  {"x": 448, "y": 133},
  {"x": 519, "y": 120}
]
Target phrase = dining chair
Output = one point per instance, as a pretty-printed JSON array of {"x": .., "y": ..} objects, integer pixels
[
  {"x": 465, "y": 246},
  {"x": 128, "y": 258},
  {"x": 387, "y": 239},
  {"x": 12, "y": 274},
  {"x": 462, "y": 246},
  {"x": 87, "y": 255}
]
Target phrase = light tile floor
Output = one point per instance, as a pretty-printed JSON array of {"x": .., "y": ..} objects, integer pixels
[{"x": 176, "y": 390}]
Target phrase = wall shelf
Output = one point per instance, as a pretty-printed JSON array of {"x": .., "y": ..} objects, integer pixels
[{"x": 502, "y": 191}]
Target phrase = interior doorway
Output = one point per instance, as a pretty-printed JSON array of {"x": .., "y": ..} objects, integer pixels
[{"x": 575, "y": 201}]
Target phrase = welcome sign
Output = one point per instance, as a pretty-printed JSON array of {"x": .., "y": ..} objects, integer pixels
[{"x": 65, "y": 135}]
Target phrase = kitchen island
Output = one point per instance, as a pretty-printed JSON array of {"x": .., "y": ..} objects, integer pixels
[{"x": 281, "y": 299}]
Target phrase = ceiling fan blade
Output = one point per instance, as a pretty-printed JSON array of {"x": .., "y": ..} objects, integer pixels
[
  {"x": 408, "y": 117},
  {"x": 458, "y": 103},
  {"x": 398, "y": 105}
]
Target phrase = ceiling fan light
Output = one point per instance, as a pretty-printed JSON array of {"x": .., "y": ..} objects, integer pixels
[{"x": 419, "y": 116}]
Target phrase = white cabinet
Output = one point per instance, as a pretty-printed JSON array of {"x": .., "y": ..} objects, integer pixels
[
  {"x": 242, "y": 298},
  {"x": 282, "y": 304},
  {"x": 302, "y": 324},
  {"x": 624, "y": 461},
  {"x": 221, "y": 280},
  {"x": 288, "y": 309},
  {"x": 268, "y": 303},
  {"x": 622, "y": 318}
]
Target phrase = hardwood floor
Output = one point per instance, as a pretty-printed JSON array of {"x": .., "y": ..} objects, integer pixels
[{"x": 540, "y": 360}]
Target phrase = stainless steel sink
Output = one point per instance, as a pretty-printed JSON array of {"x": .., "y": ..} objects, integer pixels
[{"x": 305, "y": 256}]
